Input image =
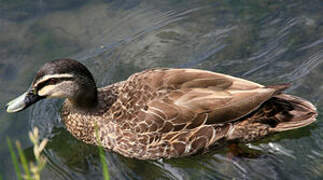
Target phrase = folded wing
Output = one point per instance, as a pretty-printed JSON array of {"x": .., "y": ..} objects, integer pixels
[{"x": 189, "y": 98}]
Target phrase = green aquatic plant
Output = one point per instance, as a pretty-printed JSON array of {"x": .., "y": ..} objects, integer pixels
[
  {"x": 104, "y": 164},
  {"x": 32, "y": 169},
  {"x": 14, "y": 159},
  {"x": 102, "y": 156},
  {"x": 23, "y": 161}
]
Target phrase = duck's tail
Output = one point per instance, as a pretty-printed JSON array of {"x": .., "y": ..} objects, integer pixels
[{"x": 288, "y": 112}]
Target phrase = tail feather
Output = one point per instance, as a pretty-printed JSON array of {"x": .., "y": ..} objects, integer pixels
[
  {"x": 288, "y": 112},
  {"x": 303, "y": 113},
  {"x": 280, "y": 113}
]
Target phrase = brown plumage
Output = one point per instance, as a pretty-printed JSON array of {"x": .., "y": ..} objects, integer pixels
[{"x": 166, "y": 113}]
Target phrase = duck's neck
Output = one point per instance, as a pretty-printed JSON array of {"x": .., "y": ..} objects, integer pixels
[{"x": 87, "y": 99}]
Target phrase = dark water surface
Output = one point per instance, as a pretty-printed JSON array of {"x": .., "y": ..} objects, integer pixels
[{"x": 264, "y": 41}]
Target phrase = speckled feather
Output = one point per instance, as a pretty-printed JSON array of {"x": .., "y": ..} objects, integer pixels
[{"x": 166, "y": 113}]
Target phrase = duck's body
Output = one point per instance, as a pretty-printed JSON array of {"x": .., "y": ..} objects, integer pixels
[{"x": 165, "y": 113}]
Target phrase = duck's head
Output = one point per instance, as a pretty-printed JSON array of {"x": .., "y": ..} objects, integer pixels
[{"x": 62, "y": 78}]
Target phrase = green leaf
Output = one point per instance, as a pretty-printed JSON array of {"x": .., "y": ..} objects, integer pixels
[
  {"x": 104, "y": 164},
  {"x": 23, "y": 161},
  {"x": 102, "y": 156},
  {"x": 14, "y": 159}
]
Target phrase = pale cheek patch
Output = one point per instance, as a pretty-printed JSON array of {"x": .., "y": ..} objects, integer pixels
[
  {"x": 51, "y": 91},
  {"x": 58, "y": 94},
  {"x": 45, "y": 90}
]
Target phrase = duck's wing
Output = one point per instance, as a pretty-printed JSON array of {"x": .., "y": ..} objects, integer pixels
[
  {"x": 182, "y": 111},
  {"x": 188, "y": 98}
]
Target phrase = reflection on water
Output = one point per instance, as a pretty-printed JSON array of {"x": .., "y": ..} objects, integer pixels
[{"x": 264, "y": 41}]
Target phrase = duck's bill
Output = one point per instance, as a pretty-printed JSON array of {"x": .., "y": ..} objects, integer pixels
[{"x": 23, "y": 101}]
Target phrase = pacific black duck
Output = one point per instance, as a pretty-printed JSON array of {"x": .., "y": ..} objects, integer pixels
[{"x": 165, "y": 113}]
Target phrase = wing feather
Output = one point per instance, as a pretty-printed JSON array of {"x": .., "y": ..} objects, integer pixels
[{"x": 190, "y": 98}]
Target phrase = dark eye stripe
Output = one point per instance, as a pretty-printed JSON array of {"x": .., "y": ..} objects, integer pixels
[{"x": 51, "y": 81}]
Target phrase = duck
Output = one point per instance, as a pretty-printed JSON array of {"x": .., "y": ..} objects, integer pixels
[{"x": 165, "y": 112}]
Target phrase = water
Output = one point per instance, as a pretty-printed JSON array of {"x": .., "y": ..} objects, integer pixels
[{"x": 264, "y": 41}]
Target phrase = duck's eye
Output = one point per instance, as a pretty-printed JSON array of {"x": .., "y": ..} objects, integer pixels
[{"x": 52, "y": 81}]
